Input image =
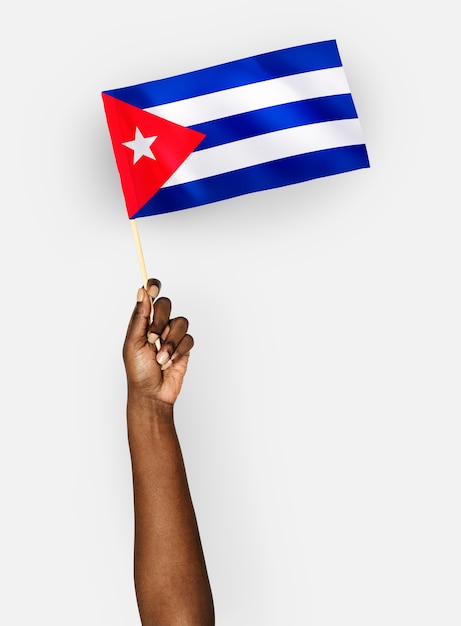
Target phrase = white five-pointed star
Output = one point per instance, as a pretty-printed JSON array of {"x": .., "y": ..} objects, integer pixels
[{"x": 141, "y": 146}]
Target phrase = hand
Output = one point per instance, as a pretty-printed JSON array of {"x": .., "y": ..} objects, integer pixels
[{"x": 156, "y": 373}]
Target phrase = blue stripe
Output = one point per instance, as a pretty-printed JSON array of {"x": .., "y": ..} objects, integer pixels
[
  {"x": 270, "y": 119},
  {"x": 305, "y": 58},
  {"x": 278, "y": 173}
]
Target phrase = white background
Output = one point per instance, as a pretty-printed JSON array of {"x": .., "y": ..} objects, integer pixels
[{"x": 320, "y": 417}]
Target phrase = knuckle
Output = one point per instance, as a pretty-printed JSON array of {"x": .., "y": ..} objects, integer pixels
[
  {"x": 181, "y": 322},
  {"x": 162, "y": 302}
]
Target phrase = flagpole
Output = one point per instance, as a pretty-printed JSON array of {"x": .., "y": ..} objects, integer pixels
[{"x": 142, "y": 265}]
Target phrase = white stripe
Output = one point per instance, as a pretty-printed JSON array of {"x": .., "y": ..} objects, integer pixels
[
  {"x": 268, "y": 147},
  {"x": 254, "y": 96}
]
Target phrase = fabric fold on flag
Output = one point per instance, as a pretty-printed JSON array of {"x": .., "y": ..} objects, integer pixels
[{"x": 266, "y": 121}]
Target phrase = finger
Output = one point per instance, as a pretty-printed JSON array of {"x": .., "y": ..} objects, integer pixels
[
  {"x": 160, "y": 318},
  {"x": 139, "y": 322},
  {"x": 182, "y": 349},
  {"x": 178, "y": 328},
  {"x": 166, "y": 330},
  {"x": 153, "y": 287}
]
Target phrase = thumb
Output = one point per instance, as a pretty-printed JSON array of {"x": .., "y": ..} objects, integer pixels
[{"x": 136, "y": 335}]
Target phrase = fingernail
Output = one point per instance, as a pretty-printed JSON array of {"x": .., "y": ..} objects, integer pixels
[
  {"x": 167, "y": 365},
  {"x": 152, "y": 338},
  {"x": 163, "y": 357},
  {"x": 140, "y": 295},
  {"x": 153, "y": 291}
]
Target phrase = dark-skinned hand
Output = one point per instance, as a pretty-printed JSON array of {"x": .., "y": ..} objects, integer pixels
[{"x": 156, "y": 349}]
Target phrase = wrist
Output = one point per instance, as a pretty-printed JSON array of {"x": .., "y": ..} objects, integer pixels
[{"x": 142, "y": 406}]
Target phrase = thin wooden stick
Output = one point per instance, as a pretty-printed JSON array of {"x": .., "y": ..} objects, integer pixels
[
  {"x": 137, "y": 241},
  {"x": 142, "y": 265}
]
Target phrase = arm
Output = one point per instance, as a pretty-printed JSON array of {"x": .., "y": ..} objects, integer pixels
[{"x": 171, "y": 580}]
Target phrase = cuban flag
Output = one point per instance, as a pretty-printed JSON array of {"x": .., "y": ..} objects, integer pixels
[{"x": 262, "y": 122}]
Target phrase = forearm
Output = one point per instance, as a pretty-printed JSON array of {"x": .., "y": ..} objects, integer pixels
[{"x": 171, "y": 580}]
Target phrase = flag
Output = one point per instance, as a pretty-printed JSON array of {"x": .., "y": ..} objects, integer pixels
[{"x": 258, "y": 123}]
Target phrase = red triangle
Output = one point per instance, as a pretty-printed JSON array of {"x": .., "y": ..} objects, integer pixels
[{"x": 142, "y": 179}]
